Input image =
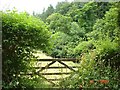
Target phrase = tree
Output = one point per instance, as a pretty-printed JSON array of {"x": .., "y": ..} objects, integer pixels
[
  {"x": 45, "y": 13},
  {"x": 58, "y": 22},
  {"x": 62, "y": 7},
  {"x": 60, "y": 41},
  {"x": 89, "y": 13},
  {"x": 109, "y": 25}
]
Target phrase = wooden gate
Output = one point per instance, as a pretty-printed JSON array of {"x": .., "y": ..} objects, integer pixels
[
  {"x": 52, "y": 62},
  {"x": 40, "y": 70}
]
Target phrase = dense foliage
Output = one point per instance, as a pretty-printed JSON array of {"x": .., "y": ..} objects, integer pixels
[
  {"x": 89, "y": 31},
  {"x": 76, "y": 20},
  {"x": 21, "y": 35}
]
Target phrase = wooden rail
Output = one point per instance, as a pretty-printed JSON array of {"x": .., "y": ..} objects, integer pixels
[
  {"x": 59, "y": 59},
  {"x": 55, "y": 73},
  {"x": 55, "y": 67},
  {"x": 45, "y": 73},
  {"x": 54, "y": 79},
  {"x": 66, "y": 66}
]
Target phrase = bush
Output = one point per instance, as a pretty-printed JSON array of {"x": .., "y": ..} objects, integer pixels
[
  {"x": 21, "y": 34},
  {"x": 108, "y": 51},
  {"x": 83, "y": 47},
  {"x": 92, "y": 74}
]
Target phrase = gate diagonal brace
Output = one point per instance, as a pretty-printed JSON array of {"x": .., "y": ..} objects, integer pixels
[
  {"x": 66, "y": 66},
  {"x": 45, "y": 78},
  {"x": 46, "y": 66}
]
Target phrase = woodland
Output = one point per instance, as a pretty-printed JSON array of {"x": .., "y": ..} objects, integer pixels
[{"x": 89, "y": 31}]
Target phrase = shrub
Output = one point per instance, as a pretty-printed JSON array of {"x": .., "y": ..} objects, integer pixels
[
  {"x": 108, "y": 51},
  {"x": 83, "y": 47},
  {"x": 92, "y": 74},
  {"x": 21, "y": 34}
]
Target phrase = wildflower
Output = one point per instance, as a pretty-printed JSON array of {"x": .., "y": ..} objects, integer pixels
[
  {"x": 104, "y": 81},
  {"x": 91, "y": 81}
]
